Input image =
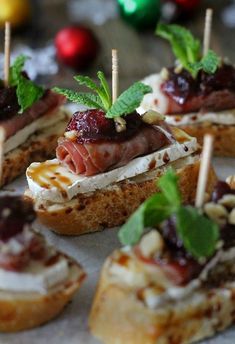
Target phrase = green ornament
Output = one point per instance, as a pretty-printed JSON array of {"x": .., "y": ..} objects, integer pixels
[{"x": 140, "y": 13}]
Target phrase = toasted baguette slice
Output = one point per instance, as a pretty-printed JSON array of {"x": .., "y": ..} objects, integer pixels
[
  {"x": 224, "y": 136},
  {"x": 110, "y": 207},
  {"x": 118, "y": 315},
  {"x": 20, "y": 311},
  {"x": 38, "y": 147}
]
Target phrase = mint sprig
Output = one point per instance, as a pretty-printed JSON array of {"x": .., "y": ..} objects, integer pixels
[
  {"x": 129, "y": 100},
  {"x": 26, "y": 90},
  {"x": 198, "y": 233},
  {"x": 125, "y": 104},
  {"x": 187, "y": 49}
]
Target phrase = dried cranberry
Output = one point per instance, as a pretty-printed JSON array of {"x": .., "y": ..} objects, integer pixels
[
  {"x": 14, "y": 214},
  {"x": 221, "y": 189},
  {"x": 93, "y": 126}
]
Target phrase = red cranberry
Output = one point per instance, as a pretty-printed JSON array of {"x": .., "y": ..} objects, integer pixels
[
  {"x": 14, "y": 214},
  {"x": 93, "y": 126}
]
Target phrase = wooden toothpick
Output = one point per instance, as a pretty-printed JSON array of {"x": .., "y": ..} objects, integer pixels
[
  {"x": 207, "y": 31},
  {"x": 204, "y": 169},
  {"x": 2, "y": 140},
  {"x": 7, "y": 53},
  {"x": 119, "y": 122}
]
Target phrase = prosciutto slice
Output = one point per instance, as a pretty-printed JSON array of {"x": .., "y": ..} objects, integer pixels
[
  {"x": 46, "y": 104},
  {"x": 216, "y": 101},
  {"x": 93, "y": 158}
]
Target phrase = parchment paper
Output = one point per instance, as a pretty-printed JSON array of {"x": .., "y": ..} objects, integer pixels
[{"x": 90, "y": 250}]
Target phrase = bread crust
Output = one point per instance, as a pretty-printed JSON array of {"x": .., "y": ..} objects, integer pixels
[
  {"x": 38, "y": 147},
  {"x": 108, "y": 208},
  {"x": 131, "y": 322},
  {"x": 224, "y": 136},
  {"x": 21, "y": 311}
]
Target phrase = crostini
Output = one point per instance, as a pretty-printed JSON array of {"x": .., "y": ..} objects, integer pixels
[
  {"x": 176, "y": 283},
  {"x": 31, "y": 122},
  {"x": 107, "y": 164},
  {"x": 197, "y": 94},
  {"x": 36, "y": 280}
]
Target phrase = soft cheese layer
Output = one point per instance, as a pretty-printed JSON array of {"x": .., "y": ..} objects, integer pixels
[
  {"x": 43, "y": 122},
  {"x": 159, "y": 102},
  {"x": 36, "y": 278},
  {"x": 51, "y": 181},
  {"x": 157, "y": 288}
]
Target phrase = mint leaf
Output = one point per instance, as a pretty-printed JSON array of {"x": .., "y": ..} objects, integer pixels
[
  {"x": 16, "y": 69},
  {"x": 152, "y": 212},
  {"x": 27, "y": 93},
  {"x": 129, "y": 100},
  {"x": 88, "y": 99},
  {"x": 168, "y": 184},
  {"x": 185, "y": 47},
  {"x": 209, "y": 63},
  {"x": 198, "y": 233},
  {"x": 107, "y": 101},
  {"x": 88, "y": 82}
]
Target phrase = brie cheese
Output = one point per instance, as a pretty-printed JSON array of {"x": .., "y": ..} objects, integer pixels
[
  {"x": 36, "y": 278},
  {"x": 53, "y": 182}
]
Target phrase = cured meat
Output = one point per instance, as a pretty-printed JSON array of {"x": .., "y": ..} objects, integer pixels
[
  {"x": 46, "y": 104},
  {"x": 207, "y": 92},
  {"x": 216, "y": 101},
  {"x": 92, "y": 158}
]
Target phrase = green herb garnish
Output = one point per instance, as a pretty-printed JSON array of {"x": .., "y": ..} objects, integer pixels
[
  {"x": 198, "y": 233},
  {"x": 187, "y": 49},
  {"x": 26, "y": 90},
  {"x": 125, "y": 104}
]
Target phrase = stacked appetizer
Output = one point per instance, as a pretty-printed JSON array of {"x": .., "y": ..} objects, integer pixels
[
  {"x": 198, "y": 93},
  {"x": 31, "y": 121},
  {"x": 36, "y": 280},
  {"x": 107, "y": 164},
  {"x": 176, "y": 284}
]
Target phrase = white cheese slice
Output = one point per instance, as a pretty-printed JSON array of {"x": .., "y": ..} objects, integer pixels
[
  {"x": 43, "y": 122},
  {"x": 37, "y": 277},
  {"x": 53, "y": 182},
  {"x": 159, "y": 102},
  {"x": 223, "y": 117}
]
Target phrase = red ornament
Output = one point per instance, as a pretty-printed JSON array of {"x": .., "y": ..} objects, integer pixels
[
  {"x": 188, "y": 4},
  {"x": 76, "y": 47}
]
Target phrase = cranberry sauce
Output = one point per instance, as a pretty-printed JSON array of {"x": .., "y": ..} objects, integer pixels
[
  {"x": 182, "y": 86},
  {"x": 14, "y": 214},
  {"x": 177, "y": 253},
  {"x": 8, "y": 103},
  {"x": 93, "y": 126}
]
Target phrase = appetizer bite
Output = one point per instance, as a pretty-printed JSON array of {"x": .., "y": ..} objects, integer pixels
[
  {"x": 198, "y": 93},
  {"x": 175, "y": 283},
  {"x": 108, "y": 161},
  {"x": 31, "y": 120},
  {"x": 36, "y": 280}
]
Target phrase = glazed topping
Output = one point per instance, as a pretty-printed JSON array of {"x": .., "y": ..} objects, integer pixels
[
  {"x": 182, "y": 87},
  {"x": 14, "y": 215},
  {"x": 93, "y": 126},
  {"x": 8, "y": 103}
]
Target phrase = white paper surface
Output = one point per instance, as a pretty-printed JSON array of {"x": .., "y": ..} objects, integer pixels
[{"x": 90, "y": 250}]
